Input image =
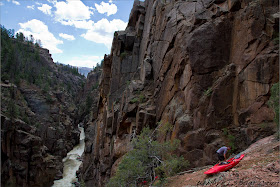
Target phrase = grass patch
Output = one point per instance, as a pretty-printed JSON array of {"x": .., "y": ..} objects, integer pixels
[
  {"x": 123, "y": 55},
  {"x": 134, "y": 100},
  {"x": 208, "y": 92}
]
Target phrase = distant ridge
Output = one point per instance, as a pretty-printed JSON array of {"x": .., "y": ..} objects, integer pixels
[{"x": 84, "y": 70}]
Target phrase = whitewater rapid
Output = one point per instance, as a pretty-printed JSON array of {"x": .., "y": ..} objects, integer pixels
[{"x": 71, "y": 164}]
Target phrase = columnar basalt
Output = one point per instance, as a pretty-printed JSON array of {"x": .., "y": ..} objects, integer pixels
[{"x": 206, "y": 67}]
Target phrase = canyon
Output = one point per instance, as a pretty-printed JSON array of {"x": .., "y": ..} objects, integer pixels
[
  {"x": 39, "y": 114},
  {"x": 205, "y": 68}
]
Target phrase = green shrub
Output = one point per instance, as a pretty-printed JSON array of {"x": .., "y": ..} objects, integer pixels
[
  {"x": 231, "y": 138},
  {"x": 142, "y": 98},
  {"x": 164, "y": 128},
  {"x": 95, "y": 86},
  {"x": 264, "y": 125},
  {"x": 276, "y": 38},
  {"x": 4, "y": 76},
  {"x": 13, "y": 110},
  {"x": 147, "y": 159},
  {"x": 37, "y": 124},
  {"x": 83, "y": 184},
  {"x": 129, "y": 172},
  {"x": 49, "y": 99},
  {"x": 171, "y": 167},
  {"x": 208, "y": 92},
  {"x": 123, "y": 55},
  {"x": 225, "y": 131},
  {"x": 46, "y": 88},
  {"x": 274, "y": 103},
  {"x": 232, "y": 142},
  {"x": 89, "y": 102},
  {"x": 25, "y": 119},
  {"x": 37, "y": 56},
  {"x": 17, "y": 80},
  {"x": 134, "y": 100}
]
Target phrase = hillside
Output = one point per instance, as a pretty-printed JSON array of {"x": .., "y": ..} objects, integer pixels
[
  {"x": 39, "y": 113},
  {"x": 259, "y": 167}
]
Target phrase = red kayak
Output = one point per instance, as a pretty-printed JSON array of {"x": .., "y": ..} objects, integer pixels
[{"x": 224, "y": 166}]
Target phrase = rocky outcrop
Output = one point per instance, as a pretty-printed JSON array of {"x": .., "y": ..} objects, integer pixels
[
  {"x": 27, "y": 161},
  {"x": 205, "y": 67},
  {"x": 38, "y": 124},
  {"x": 90, "y": 96}
]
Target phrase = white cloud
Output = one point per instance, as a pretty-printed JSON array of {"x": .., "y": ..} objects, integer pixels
[
  {"x": 67, "y": 36},
  {"x": 73, "y": 13},
  {"x": 46, "y": 9},
  {"x": 52, "y": 1},
  {"x": 15, "y": 2},
  {"x": 40, "y": 31},
  {"x": 72, "y": 10},
  {"x": 79, "y": 24},
  {"x": 31, "y": 7},
  {"x": 85, "y": 61},
  {"x": 1, "y": 4},
  {"x": 108, "y": 8},
  {"x": 96, "y": 37},
  {"x": 104, "y": 25},
  {"x": 103, "y": 31}
]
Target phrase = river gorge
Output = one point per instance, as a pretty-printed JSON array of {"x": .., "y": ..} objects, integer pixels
[
  {"x": 202, "y": 72},
  {"x": 71, "y": 163}
]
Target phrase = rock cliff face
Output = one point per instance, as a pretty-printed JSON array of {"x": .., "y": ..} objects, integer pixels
[
  {"x": 205, "y": 67},
  {"x": 38, "y": 120}
]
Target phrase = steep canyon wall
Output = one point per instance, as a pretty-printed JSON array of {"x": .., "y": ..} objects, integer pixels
[
  {"x": 38, "y": 116},
  {"x": 205, "y": 67}
]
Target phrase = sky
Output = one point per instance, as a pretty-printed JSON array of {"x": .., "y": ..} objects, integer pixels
[{"x": 76, "y": 32}]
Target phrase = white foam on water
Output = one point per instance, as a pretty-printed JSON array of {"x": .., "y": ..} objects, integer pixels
[{"x": 71, "y": 164}]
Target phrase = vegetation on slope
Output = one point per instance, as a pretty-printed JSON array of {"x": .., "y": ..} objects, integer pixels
[
  {"x": 147, "y": 161},
  {"x": 38, "y": 111},
  {"x": 274, "y": 103},
  {"x": 21, "y": 59},
  {"x": 24, "y": 64}
]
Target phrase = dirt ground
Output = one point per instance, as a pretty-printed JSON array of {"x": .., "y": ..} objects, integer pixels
[{"x": 259, "y": 167}]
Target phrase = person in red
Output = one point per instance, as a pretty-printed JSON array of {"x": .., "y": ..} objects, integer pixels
[{"x": 222, "y": 153}]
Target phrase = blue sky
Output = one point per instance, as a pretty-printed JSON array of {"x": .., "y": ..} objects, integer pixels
[{"x": 77, "y": 32}]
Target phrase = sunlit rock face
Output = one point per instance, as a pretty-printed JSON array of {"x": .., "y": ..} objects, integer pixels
[{"x": 205, "y": 67}]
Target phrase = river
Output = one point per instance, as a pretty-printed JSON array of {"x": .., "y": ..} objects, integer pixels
[{"x": 71, "y": 164}]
